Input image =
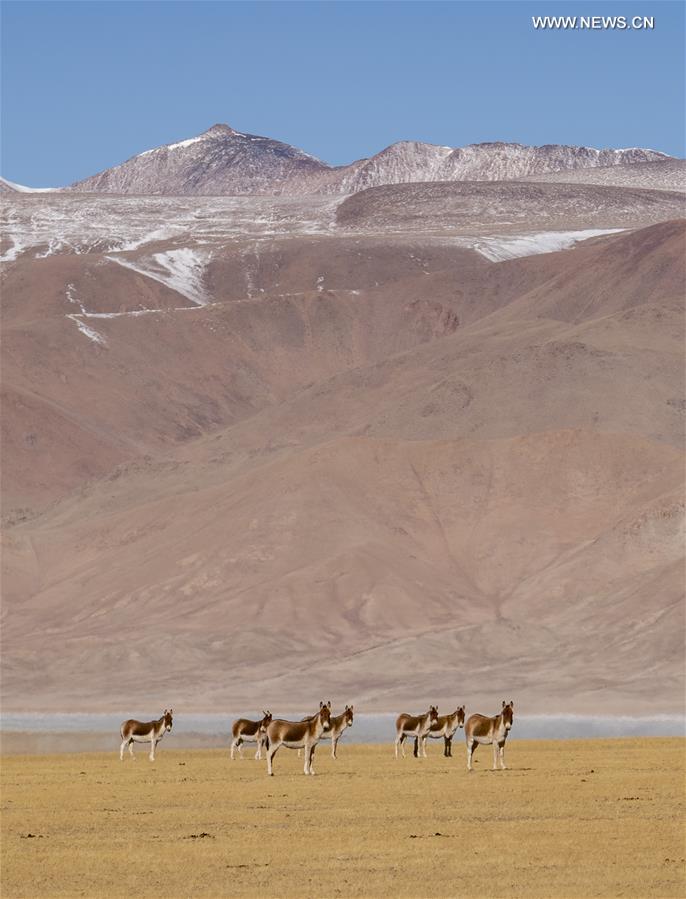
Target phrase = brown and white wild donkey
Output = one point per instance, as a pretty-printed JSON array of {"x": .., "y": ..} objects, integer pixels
[
  {"x": 243, "y": 730},
  {"x": 298, "y": 735},
  {"x": 444, "y": 726},
  {"x": 336, "y": 727},
  {"x": 144, "y": 732},
  {"x": 480, "y": 729},
  {"x": 413, "y": 726}
]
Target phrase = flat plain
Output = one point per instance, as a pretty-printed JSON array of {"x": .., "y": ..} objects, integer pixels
[{"x": 572, "y": 818}]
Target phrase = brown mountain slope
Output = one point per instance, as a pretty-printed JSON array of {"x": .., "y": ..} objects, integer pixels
[
  {"x": 353, "y": 548},
  {"x": 464, "y": 498},
  {"x": 512, "y": 205},
  {"x": 280, "y": 321}
]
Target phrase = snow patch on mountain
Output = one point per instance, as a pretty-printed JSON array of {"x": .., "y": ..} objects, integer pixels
[
  {"x": 90, "y": 333},
  {"x": 13, "y": 251},
  {"x": 181, "y": 269},
  {"x": 497, "y": 249}
]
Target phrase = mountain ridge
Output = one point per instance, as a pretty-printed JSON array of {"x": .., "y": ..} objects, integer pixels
[{"x": 224, "y": 161}]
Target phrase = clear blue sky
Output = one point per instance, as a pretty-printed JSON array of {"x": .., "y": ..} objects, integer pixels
[{"x": 87, "y": 85}]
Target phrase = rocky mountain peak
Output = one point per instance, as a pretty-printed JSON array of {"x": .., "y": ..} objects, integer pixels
[{"x": 220, "y": 130}]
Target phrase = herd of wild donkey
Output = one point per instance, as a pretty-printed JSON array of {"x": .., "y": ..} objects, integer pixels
[{"x": 270, "y": 734}]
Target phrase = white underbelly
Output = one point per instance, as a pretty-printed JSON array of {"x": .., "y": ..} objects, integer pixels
[
  {"x": 138, "y": 738},
  {"x": 293, "y": 744}
]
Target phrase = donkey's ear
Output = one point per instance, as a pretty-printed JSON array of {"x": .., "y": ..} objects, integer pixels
[
  {"x": 171, "y": 711},
  {"x": 329, "y": 703},
  {"x": 321, "y": 705},
  {"x": 503, "y": 703},
  {"x": 512, "y": 703}
]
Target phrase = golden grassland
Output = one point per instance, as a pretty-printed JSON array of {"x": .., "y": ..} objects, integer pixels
[{"x": 569, "y": 819}]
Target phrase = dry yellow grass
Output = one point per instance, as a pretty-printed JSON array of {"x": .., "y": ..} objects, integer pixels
[{"x": 570, "y": 819}]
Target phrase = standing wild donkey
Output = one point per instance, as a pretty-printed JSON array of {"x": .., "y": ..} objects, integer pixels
[
  {"x": 413, "y": 726},
  {"x": 133, "y": 731},
  {"x": 337, "y": 725},
  {"x": 245, "y": 731},
  {"x": 480, "y": 729},
  {"x": 444, "y": 726},
  {"x": 298, "y": 735}
]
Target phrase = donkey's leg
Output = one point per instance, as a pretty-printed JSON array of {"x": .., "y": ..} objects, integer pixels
[
  {"x": 234, "y": 746},
  {"x": 334, "y": 746},
  {"x": 501, "y": 750},
  {"x": 447, "y": 746},
  {"x": 153, "y": 744},
  {"x": 495, "y": 756},
  {"x": 311, "y": 758},
  {"x": 471, "y": 746},
  {"x": 271, "y": 752},
  {"x": 397, "y": 740},
  {"x": 415, "y": 750},
  {"x": 258, "y": 754},
  {"x": 424, "y": 739},
  {"x": 131, "y": 749},
  {"x": 121, "y": 750},
  {"x": 402, "y": 743}
]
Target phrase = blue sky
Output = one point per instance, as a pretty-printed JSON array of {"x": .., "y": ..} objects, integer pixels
[{"x": 87, "y": 85}]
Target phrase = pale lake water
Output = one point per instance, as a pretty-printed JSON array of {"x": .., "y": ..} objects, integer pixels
[{"x": 85, "y": 732}]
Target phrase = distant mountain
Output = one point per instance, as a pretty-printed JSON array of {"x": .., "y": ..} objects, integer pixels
[
  {"x": 667, "y": 174},
  {"x": 222, "y": 161},
  {"x": 10, "y": 187},
  {"x": 411, "y": 161}
]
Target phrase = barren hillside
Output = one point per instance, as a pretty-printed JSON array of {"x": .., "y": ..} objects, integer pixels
[{"x": 266, "y": 450}]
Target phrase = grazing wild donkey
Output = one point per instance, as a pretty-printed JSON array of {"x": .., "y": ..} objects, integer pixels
[
  {"x": 144, "y": 732},
  {"x": 298, "y": 735},
  {"x": 245, "y": 731},
  {"x": 444, "y": 726},
  {"x": 413, "y": 726},
  {"x": 480, "y": 729}
]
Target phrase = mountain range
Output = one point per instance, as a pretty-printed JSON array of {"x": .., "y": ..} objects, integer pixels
[{"x": 223, "y": 161}]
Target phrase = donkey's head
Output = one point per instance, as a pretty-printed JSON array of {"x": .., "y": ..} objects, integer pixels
[
  {"x": 266, "y": 718},
  {"x": 433, "y": 713},
  {"x": 460, "y": 716},
  {"x": 348, "y": 715},
  {"x": 508, "y": 714},
  {"x": 325, "y": 714},
  {"x": 168, "y": 719}
]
